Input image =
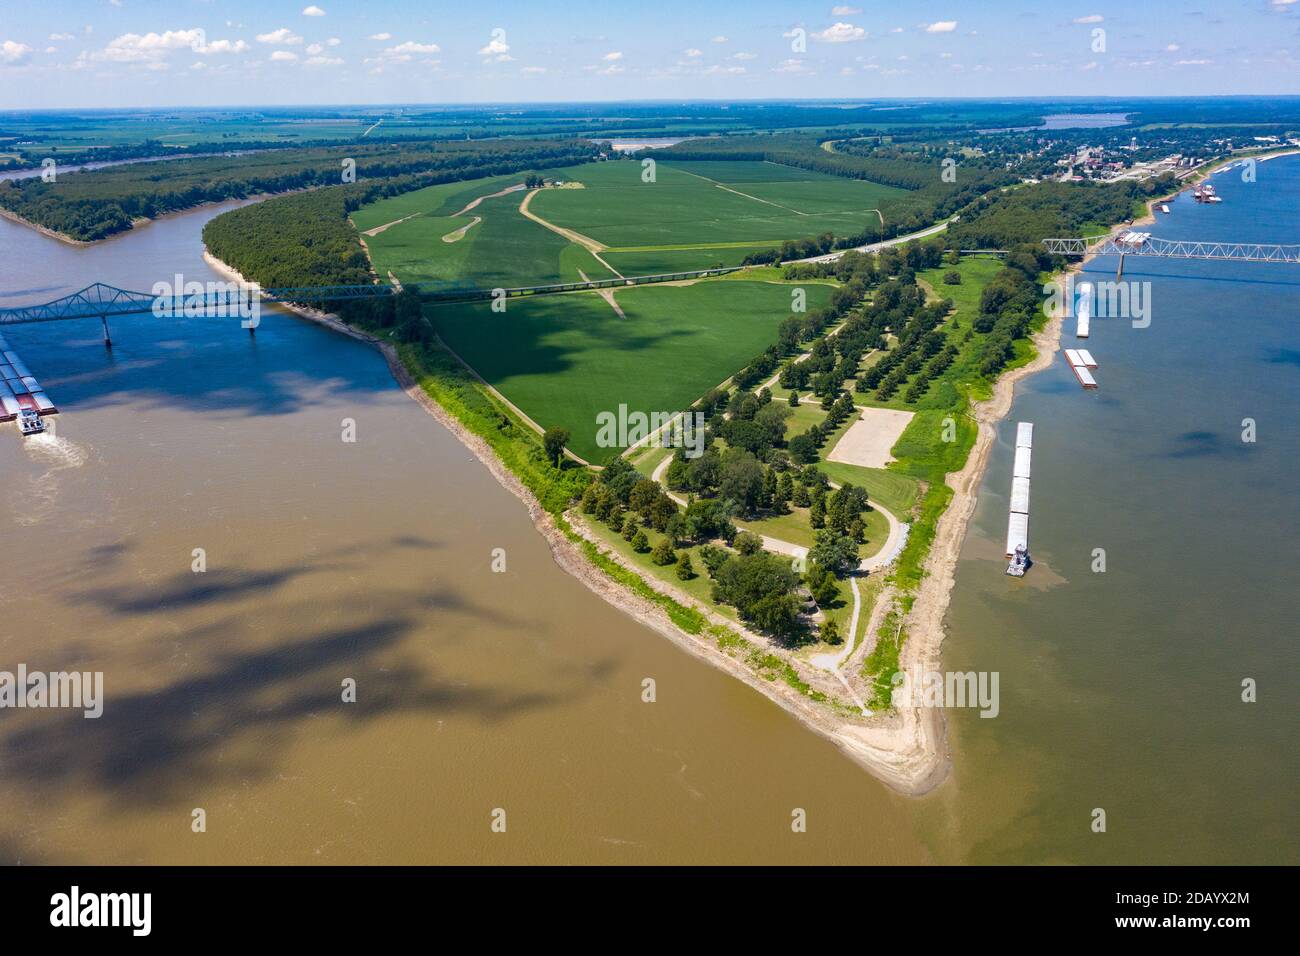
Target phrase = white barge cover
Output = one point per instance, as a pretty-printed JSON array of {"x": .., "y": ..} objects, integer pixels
[
  {"x": 9, "y": 406},
  {"x": 1021, "y": 469},
  {"x": 1074, "y": 357},
  {"x": 43, "y": 403},
  {"x": 1084, "y": 376},
  {"x": 1019, "y": 495},
  {"x": 1083, "y": 309},
  {"x": 1017, "y": 533},
  {"x": 1087, "y": 358},
  {"x": 1024, "y": 434}
]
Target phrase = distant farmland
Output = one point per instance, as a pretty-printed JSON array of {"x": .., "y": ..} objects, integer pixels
[{"x": 565, "y": 358}]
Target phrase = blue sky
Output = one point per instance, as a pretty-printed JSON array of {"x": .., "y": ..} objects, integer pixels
[{"x": 116, "y": 53}]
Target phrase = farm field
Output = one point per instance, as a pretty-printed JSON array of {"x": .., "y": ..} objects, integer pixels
[
  {"x": 565, "y": 358},
  {"x": 708, "y": 209},
  {"x": 489, "y": 246},
  {"x": 444, "y": 199}
]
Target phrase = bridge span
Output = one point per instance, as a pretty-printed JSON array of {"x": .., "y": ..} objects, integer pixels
[{"x": 1135, "y": 243}]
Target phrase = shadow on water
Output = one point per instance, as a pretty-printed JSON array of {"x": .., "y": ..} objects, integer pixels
[
  {"x": 231, "y": 712},
  {"x": 203, "y": 364}
]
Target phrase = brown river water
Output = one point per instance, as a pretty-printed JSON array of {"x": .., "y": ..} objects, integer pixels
[{"x": 329, "y": 560}]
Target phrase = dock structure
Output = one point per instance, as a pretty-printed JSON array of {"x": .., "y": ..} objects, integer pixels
[
  {"x": 1018, "y": 513},
  {"x": 19, "y": 389}
]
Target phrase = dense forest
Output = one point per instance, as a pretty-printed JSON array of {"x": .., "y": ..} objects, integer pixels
[
  {"x": 95, "y": 204},
  {"x": 1032, "y": 213}
]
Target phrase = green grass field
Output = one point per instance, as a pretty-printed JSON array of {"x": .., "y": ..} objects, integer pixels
[
  {"x": 565, "y": 358},
  {"x": 704, "y": 209},
  {"x": 445, "y": 199},
  {"x": 503, "y": 249}
]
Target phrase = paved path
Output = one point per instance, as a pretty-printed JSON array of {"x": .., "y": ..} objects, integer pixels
[{"x": 877, "y": 246}]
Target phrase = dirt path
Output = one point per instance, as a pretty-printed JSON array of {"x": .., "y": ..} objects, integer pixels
[
  {"x": 473, "y": 203},
  {"x": 456, "y": 235},
  {"x": 389, "y": 225},
  {"x": 607, "y": 295},
  {"x": 727, "y": 188},
  {"x": 591, "y": 245}
]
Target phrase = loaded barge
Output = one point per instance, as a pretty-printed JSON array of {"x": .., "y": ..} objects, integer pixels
[
  {"x": 1018, "y": 513},
  {"x": 21, "y": 395}
]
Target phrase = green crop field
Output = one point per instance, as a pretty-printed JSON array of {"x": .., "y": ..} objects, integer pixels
[
  {"x": 565, "y": 358},
  {"x": 698, "y": 205},
  {"x": 694, "y": 216},
  {"x": 502, "y": 249},
  {"x": 445, "y": 199}
]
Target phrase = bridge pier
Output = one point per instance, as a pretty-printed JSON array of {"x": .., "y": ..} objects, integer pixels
[
  {"x": 108, "y": 340},
  {"x": 1119, "y": 272}
]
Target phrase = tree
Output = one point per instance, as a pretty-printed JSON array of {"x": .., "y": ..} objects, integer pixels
[
  {"x": 817, "y": 514},
  {"x": 554, "y": 440},
  {"x": 630, "y": 527},
  {"x": 640, "y": 543},
  {"x": 835, "y": 552},
  {"x": 742, "y": 478},
  {"x": 830, "y": 632},
  {"x": 952, "y": 277},
  {"x": 748, "y": 543},
  {"x": 663, "y": 553},
  {"x": 643, "y": 495},
  {"x": 684, "y": 569}
]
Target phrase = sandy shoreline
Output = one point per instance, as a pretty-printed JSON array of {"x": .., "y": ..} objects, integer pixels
[{"x": 43, "y": 230}]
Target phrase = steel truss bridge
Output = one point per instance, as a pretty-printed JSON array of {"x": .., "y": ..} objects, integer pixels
[
  {"x": 100, "y": 301},
  {"x": 1173, "y": 249}
]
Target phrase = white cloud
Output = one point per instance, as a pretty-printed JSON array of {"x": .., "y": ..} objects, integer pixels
[
  {"x": 281, "y": 37},
  {"x": 381, "y": 36},
  {"x": 744, "y": 56},
  {"x": 692, "y": 52},
  {"x": 313, "y": 11},
  {"x": 495, "y": 48},
  {"x": 845, "y": 11},
  {"x": 323, "y": 61},
  {"x": 1091, "y": 18},
  {"x": 333, "y": 41},
  {"x": 283, "y": 56},
  {"x": 533, "y": 69},
  {"x": 841, "y": 33},
  {"x": 790, "y": 66},
  {"x": 409, "y": 47},
  {"x": 719, "y": 39},
  {"x": 725, "y": 70},
  {"x": 612, "y": 70},
  {"x": 51, "y": 49},
  {"x": 314, "y": 49},
  {"x": 13, "y": 52},
  {"x": 61, "y": 36},
  {"x": 225, "y": 46},
  {"x": 150, "y": 49},
  {"x": 942, "y": 26},
  {"x": 1193, "y": 62},
  {"x": 612, "y": 56},
  {"x": 1173, "y": 48}
]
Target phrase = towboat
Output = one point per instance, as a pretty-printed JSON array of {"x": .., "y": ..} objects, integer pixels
[{"x": 29, "y": 422}]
